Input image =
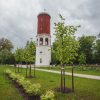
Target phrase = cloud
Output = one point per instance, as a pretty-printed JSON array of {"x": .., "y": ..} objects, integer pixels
[{"x": 18, "y": 18}]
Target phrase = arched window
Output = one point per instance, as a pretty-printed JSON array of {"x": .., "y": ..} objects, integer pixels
[
  {"x": 37, "y": 41},
  {"x": 40, "y": 60},
  {"x": 46, "y": 41},
  {"x": 41, "y": 41}
]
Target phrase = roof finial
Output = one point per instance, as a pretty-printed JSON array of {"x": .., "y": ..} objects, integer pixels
[{"x": 44, "y": 10}]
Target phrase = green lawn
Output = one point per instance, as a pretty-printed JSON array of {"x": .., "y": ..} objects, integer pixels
[
  {"x": 85, "y": 89},
  {"x": 79, "y": 70},
  {"x": 7, "y": 90}
]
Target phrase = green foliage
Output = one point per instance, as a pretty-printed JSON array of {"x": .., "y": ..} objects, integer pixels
[
  {"x": 82, "y": 59},
  {"x": 54, "y": 58},
  {"x": 26, "y": 54},
  {"x": 6, "y": 56},
  {"x": 19, "y": 55},
  {"x": 34, "y": 89},
  {"x": 5, "y": 44},
  {"x": 66, "y": 44},
  {"x": 7, "y": 90},
  {"x": 31, "y": 89},
  {"x": 97, "y": 52},
  {"x": 7, "y": 71},
  {"x": 49, "y": 95},
  {"x": 86, "y": 46},
  {"x": 84, "y": 91},
  {"x": 31, "y": 49},
  {"x": 29, "y": 52}
]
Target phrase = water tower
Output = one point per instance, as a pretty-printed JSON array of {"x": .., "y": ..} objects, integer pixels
[{"x": 43, "y": 46}]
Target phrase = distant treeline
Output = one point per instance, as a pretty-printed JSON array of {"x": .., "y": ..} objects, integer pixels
[{"x": 88, "y": 53}]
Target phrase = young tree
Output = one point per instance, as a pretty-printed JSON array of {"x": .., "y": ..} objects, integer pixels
[
  {"x": 26, "y": 59},
  {"x": 29, "y": 55},
  {"x": 19, "y": 57},
  {"x": 67, "y": 46}
]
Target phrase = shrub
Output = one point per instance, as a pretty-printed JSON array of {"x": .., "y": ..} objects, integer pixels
[
  {"x": 34, "y": 89},
  {"x": 20, "y": 80},
  {"x": 31, "y": 89},
  {"x": 26, "y": 84},
  {"x": 8, "y": 71},
  {"x": 49, "y": 95}
]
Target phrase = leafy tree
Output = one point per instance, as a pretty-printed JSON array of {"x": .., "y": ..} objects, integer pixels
[
  {"x": 30, "y": 47},
  {"x": 19, "y": 56},
  {"x": 97, "y": 51},
  {"x": 86, "y": 46},
  {"x": 29, "y": 52},
  {"x": 6, "y": 57},
  {"x": 5, "y": 44},
  {"x": 82, "y": 59},
  {"x": 67, "y": 46},
  {"x": 54, "y": 59},
  {"x": 29, "y": 55}
]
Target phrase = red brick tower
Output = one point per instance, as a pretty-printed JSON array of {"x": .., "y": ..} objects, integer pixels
[
  {"x": 43, "y": 23},
  {"x": 43, "y": 48}
]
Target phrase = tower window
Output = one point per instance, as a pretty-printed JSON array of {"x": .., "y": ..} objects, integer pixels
[
  {"x": 41, "y": 41},
  {"x": 37, "y": 41},
  {"x": 41, "y": 52},
  {"x": 46, "y": 41},
  {"x": 40, "y": 60}
]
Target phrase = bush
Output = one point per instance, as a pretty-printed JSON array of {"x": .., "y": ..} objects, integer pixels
[
  {"x": 8, "y": 71},
  {"x": 34, "y": 89},
  {"x": 49, "y": 95},
  {"x": 20, "y": 80},
  {"x": 30, "y": 88}
]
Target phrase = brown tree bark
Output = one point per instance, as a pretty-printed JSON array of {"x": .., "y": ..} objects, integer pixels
[{"x": 72, "y": 80}]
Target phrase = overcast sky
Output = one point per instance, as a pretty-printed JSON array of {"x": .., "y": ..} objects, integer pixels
[{"x": 18, "y": 18}]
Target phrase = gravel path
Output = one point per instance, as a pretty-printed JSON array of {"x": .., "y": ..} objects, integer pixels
[{"x": 75, "y": 74}]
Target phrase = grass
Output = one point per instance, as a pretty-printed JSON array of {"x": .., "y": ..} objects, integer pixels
[
  {"x": 79, "y": 70},
  {"x": 85, "y": 89},
  {"x": 7, "y": 90}
]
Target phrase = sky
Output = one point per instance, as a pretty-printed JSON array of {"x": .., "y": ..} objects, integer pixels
[{"x": 18, "y": 18}]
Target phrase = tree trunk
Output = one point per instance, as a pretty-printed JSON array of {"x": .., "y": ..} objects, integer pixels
[
  {"x": 30, "y": 71},
  {"x": 18, "y": 67},
  {"x": 63, "y": 83},
  {"x": 34, "y": 70},
  {"x": 64, "y": 80},
  {"x": 72, "y": 80},
  {"x": 15, "y": 67},
  {"x": 26, "y": 69},
  {"x": 21, "y": 66}
]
